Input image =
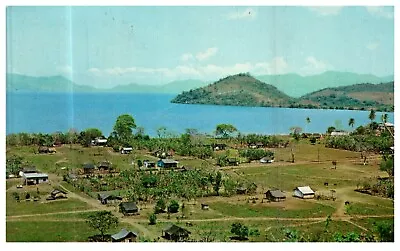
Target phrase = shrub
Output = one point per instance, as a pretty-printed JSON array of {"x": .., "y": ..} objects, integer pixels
[
  {"x": 153, "y": 219},
  {"x": 173, "y": 207}
]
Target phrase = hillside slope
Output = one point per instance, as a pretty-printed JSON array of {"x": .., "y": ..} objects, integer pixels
[
  {"x": 240, "y": 89},
  {"x": 244, "y": 90},
  {"x": 295, "y": 85},
  {"x": 359, "y": 96}
]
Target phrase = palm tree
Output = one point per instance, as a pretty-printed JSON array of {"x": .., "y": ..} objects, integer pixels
[
  {"x": 351, "y": 122},
  {"x": 384, "y": 118},
  {"x": 308, "y": 120},
  {"x": 372, "y": 115}
]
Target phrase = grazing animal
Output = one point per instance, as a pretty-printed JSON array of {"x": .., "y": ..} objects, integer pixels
[
  {"x": 326, "y": 184},
  {"x": 347, "y": 202}
]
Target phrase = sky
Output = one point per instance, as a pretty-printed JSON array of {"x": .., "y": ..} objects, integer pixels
[{"x": 108, "y": 46}]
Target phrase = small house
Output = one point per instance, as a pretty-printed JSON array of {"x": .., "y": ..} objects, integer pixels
[
  {"x": 205, "y": 207},
  {"x": 99, "y": 142},
  {"x": 31, "y": 169},
  {"x": 233, "y": 162},
  {"x": 175, "y": 233},
  {"x": 268, "y": 159},
  {"x": 88, "y": 168},
  {"x": 218, "y": 146},
  {"x": 128, "y": 208},
  {"x": 149, "y": 164},
  {"x": 304, "y": 192},
  {"x": 124, "y": 236},
  {"x": 339, "y": 133},
  {"x": 241, "y": 190},
  {"x": 104, "y": 165},
  {"x": 57, "y": 194},
  {"x": 126, "y": 150},
  {"x": 108, "y": 198},
  {"x": 167, "y": 163},
  {"x": 34, "y": 178},
  {"x": 275, "y": 195}
]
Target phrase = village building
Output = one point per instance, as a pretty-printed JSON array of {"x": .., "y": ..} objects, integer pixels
[
  {"x": 45, "y": 149},
  {"x": 275, "y": 195},
  {"x": 124, "y": 236},
  {"x": 108, "y": 198},
  {"x": 233, "y": 162},
  {"x": 175, "y": 233},
  {"x": 241, "y": 190},
  {"x": 99, "y": 142},
  {"x": 57, "y": 194},
  {"x": 34, "y": 178},
  {"x": 104, "y": 165},
  {"x": 88, "y": 168},
  {"x": 30, "y": 169},
  {"x": 167, "y": 163},
  {"x": 304, "y": 192},
  {"x": 339, "y": 133},
  {"x": 126, "y": 150},
  {"x": 204, "y": 206},
  {"x": 265, "y": 160},
  {"x": 128, "y": 208},
  {"x": 219, "y": 146},
  {"x": 149, "y": 164}
]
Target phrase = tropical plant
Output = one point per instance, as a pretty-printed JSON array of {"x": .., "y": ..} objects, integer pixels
[{"x": 102, "y": 221}]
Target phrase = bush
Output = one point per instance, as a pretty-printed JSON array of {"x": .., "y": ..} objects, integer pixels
[
  {"x": 152, "y": 219},
  {"x": 160, "y": 206},
  {"x": 173, "y": 207},
  {"x": 240, "y": 230}
]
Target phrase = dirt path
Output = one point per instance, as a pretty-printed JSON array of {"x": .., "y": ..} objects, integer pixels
[{"x": 52, "y": 213}]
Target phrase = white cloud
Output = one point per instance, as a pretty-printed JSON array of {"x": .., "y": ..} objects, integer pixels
[
  {"x": 326, "y": 10},
  {"x": 201, "y": 56},
  {"x": 248, "y": 13},
  {"x": 379, "y": 11},
  {"x": 186, "y": 57},
  {"x": 315, "y": 66},
  {"x": 372, "y": 46},
  {"x": 276, "y": 65}
]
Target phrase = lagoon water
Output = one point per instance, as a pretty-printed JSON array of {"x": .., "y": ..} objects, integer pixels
[{"x": 49, "y": 113}]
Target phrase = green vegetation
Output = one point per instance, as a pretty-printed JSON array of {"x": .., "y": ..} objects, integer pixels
[
  {"x": 244, "y": 90},
  {"x": 102, "y": 221}
]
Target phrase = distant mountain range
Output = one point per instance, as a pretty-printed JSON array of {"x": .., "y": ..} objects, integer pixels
[
  {"x": 291, "y": 84},
  {"x": 245, "y": 90},
  {"x": 22, "y": 83}
]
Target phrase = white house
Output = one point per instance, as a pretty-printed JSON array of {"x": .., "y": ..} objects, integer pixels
[
  {"x": 339, "y": 133},
  {"x": 304, "y": 192},
  {"x": 34, "y": 178},
  {"x": 126, "y": 150}
]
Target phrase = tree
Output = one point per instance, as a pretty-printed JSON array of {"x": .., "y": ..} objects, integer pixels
[
  {"x": 173, "y": 207},
  {"x": 385, "y": 231},
  {"x": 139, "y": 163},
  {"x": 153, "y": 219},
  {"x": 295, "y": 132},
  {"x": 13, "y": 164},
  {"x": 308, "y": 120},
  {"x": 88, "y": 135},
  {"x": 387, "y": 165},
  {"x": 102, "y": 221},
  {"x": 330, "y": 129},
  {"x": 384, "y": 118},
  {"x": 372, "y": 115},
  {"x": 240, "y": 230},
  {"x": 217, "y": 184},
  {"x": 123, "y": 127},
  {"x": 225, "y": 130},
  {"x": 351, "y": 122}
]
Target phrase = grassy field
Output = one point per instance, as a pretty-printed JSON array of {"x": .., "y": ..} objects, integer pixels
[
  {"x": 270, "y": 219},
  {"x": 53, "y": 231}
]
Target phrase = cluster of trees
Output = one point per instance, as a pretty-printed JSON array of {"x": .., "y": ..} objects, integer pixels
[
  {"x": 148, "y": 187},
  {"x": 359, "y": 143},
  {"x": 255, "y": 154},
  {"x": 265, "y": 140}
]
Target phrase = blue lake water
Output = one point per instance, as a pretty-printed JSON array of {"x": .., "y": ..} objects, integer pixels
[{"x": 48, "y": 113}]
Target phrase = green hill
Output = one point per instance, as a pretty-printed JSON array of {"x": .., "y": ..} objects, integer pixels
[
  {"x": 244, "y": 90},
  {"x": 21, "y": 83},
  {"x": 295, "y": 85},
  {"x": 241, "y": 89},
  {"x": 359, "y": 96}
]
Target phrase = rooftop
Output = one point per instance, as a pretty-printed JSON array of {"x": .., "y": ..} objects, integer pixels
[
  {"x": 169, "y": 161},
  {"x": 122, "y": 234},
  {"x": 34, "y": 175},
  {"x": 305, "y": 190}
]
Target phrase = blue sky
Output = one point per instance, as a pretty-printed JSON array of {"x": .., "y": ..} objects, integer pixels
[{"x": 108, "y": 46}]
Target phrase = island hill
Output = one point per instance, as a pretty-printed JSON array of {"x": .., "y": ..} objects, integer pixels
[{"x": 244, "y": 90}]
